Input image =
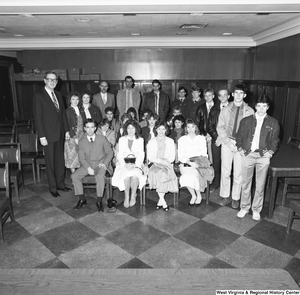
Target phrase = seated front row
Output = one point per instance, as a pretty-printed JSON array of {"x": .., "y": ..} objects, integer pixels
[{"x": 95, "y": 155}]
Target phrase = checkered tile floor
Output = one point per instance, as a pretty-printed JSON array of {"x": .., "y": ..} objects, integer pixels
[{"x": 48, "y": 233}]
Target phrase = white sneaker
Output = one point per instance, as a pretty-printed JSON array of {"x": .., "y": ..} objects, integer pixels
[
  {"x": 242, "y": 213},
  {"x": 256, "y": 216}
]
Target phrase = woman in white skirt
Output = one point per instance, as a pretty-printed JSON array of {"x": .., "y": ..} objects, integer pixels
[
  {"x": 130, "y": 157},
  {"x": 191, "y": 145},
  {"x": 161, "y": 155}
]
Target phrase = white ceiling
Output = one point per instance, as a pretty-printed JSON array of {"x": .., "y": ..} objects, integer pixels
[{"x": 54, "y": 24}]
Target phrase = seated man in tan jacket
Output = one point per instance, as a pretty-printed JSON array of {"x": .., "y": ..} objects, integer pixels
[{"x": 95, "y": 155}]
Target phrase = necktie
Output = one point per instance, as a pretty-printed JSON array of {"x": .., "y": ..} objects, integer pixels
[
  {"x": 91, "y": 139},
  {"x": 235, "y": 122},
  {"x": 104, "y": 98},
  {"x": 54, "y": 99}
]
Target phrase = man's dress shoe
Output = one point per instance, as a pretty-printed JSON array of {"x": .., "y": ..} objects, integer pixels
[
  {"x": 65, "y": 189},
  {"x": 100, "y": 207},
  {"x": 55, "y": 194},
  {"x": 80, "y": 204}
]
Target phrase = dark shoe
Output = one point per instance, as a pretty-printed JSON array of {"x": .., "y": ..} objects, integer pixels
[
  {"x": 213, "y": 188},
  {"x": 167, "y": 208},
  {"x": 224, "y": 201},
  {"x": 55, "y": 194},
  {"x": 80, "y": 204},
  {"x": 65, "y": 189},
  {"x": 158, "y": 207},
  {"x": 191, "y": 205},
  {"x": 100, "y": 207},
  {"x": 235, "y": 204}
]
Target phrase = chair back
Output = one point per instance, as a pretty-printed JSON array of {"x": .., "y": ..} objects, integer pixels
[
  {"x": 28, "y": 142},
  {"x": 4, "y": 177},
  {"x": 11, "y": 153},
  {"x": 293, "y": 141},
  {"x": 23, "y": 129}
]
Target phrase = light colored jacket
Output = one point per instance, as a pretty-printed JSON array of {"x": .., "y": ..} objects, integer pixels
[
  {"x": 137, "y": 149},
  {"x": 169, "y": 151},
  {"x": 121, "y": 101},
  {"x": 224, "y": 121}
]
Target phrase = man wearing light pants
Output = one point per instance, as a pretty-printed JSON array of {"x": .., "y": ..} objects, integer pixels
[
  {"x": 228, "y": 124},
  {"x": 257, "y": 140}
]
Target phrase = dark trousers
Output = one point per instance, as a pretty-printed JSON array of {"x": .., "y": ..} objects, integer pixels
[
  {"x": 55, "y": 164},
  {"x": 216, "y": 155}
]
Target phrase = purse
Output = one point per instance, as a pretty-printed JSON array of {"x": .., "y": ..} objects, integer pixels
[{"x": 130, "y": 159}]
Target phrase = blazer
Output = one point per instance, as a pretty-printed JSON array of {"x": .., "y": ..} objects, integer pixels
[
  {"x": 163, "y": 104},
  {"x": 121, "y": 101},
  {"x": 192, "y": 107},
  {"x": 72, "y": 120},
  {"x": 137, "y": 149},
  {"x": 95, "y": 113},
  {"x": 91, "y": 154},
  {"x": 97, "y": 101},
  {"x": 268, "y": 138},
  {"x": 48, "y": 122}
]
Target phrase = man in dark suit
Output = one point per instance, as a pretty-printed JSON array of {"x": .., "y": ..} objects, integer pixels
[
  {"x": 95, "y": 155},
  {"x": 104, "y": 99},
  {"x": 157, "y": 101},
  {"x": 202, "y": 117},
  {"x": 52, "y": 128}
]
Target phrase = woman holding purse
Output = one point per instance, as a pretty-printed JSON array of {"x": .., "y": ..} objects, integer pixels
[{"x": 128, "y": 175}]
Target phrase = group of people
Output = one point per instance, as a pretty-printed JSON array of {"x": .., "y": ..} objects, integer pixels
[{"x": 202, "y": 138}]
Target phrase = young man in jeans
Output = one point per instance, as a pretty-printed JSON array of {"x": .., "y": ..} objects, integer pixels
[
  {"x": 257, "y": 140},
  {"x": 229, "y": 121}
]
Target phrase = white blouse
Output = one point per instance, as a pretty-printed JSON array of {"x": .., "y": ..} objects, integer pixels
[{"x": 188, "y": 147}]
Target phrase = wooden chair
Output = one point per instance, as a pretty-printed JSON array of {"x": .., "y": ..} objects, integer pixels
[
  {"x": 11, "y": 153},
  {"x": 29, "y": 150},
  {"x": 89, "y": 182},
  {"x": 294, "y": 213},
  {"x": 295, "y": 181},
  {"x": 6, "y": 209},
  {"x": 7, "y": 133},
  {"x": 39, "y": 160}
]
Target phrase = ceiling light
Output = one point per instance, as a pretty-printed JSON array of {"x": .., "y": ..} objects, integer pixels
[
  {"x": 2, "y": 29},
  {"x": 83, "y": 20},
  {"x": 227, "y": 34},
  {"x": 196, "y": 14},
  {"x": 26, "y": 15},
  {"x": 193, "y": 26},
  {"x": 18, "y": 35},
  {"x": 181, "y": 33},
  {"x": 92, "y": 32},
  {"x": 135, "y": 34}
]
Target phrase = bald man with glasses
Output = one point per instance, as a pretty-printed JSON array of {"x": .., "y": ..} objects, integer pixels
[{"x": 52, "y": 128}]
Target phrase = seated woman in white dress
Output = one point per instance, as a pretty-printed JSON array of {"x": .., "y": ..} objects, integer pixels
[
  {"x": 130, "y": 175},
  {"x": 191, "y": 145},
  {"x": 161, "y": 155}
]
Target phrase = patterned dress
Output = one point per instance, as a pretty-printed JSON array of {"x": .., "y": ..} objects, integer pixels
[{"x": 71, "y": 148}]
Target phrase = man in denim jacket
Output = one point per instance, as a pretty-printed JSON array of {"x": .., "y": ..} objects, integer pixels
[
  {"x": 257, "y": 140},
  {"x": 229, "y": 120}
]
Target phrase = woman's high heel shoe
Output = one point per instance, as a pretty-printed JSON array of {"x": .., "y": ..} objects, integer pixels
[
  {"x": 158, "y": 207},
  {"x": 167, "y": 208}
]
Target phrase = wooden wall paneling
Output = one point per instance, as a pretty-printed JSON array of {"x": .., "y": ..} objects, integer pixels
[
  {"x": 25, "y": 93},
  {"x": 114, "y": 87},
  {"x": 80, "y": 86},
  {"x": 297, "y": 117},
  {"x": 280, "y": 104},
  {"x": 291, "y": 110},
  {"x": 279, "y": 60},
  {"x": 145, "y": 63}
]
